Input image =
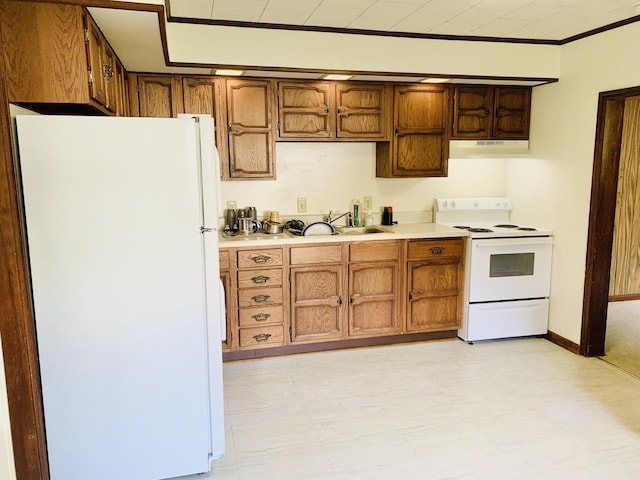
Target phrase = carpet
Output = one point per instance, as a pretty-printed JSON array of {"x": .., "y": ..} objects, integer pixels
[{"x": 622, "y": 340}]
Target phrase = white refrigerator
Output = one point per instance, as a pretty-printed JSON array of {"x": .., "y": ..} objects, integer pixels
[{"x": 120, "y": 218}]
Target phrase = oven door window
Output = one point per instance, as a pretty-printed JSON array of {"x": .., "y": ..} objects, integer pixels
[{"x": 511, "y": 264}]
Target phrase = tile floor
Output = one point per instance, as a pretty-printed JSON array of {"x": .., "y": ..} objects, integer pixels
[{"x": 517, "y": 409}]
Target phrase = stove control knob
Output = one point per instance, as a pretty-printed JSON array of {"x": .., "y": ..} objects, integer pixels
[
  {"x": 453, "y": 204},
  {"x": 475, "y": 204},
  {"x": 445, "y": 204}
]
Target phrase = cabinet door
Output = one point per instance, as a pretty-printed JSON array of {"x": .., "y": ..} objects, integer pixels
[
  {"x": 227, "y": 342},
  {"x": 110, "y": 78},
  {"x": 435, "y": 299},
  {"x": 316, "y": 303},
  {"x": 159, "y": 96},
  {"x": 373, "y": 303},
  {"x": 473, "y": 108},
  {"x": 251, "y": 129},
  {"x": 420, "y": 145},
  {"x": 306, "y": 110},
  {"x": 363, "y": 111},
  {"x": 512, "y": 109},
  {"x": 122, "y": 91},
  {"x": 96, "y": 57},
  {"x": 203, "y": 95}
]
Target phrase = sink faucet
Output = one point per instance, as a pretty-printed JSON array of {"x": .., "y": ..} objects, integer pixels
[{"x": 348, "y": 221}]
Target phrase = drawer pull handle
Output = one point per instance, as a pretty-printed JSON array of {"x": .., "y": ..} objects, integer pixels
[
  {"x": 260, "y": 258},
  {"x": 260, "y": 298},
  {"x": 260, "y": 279},
  {"x": 437, "y": 250},
  {"x": 262, "y": 337},
  {"x": 261, "y": 317}
]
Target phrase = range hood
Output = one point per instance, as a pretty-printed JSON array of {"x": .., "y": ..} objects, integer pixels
[{"x": 488, "y": 148}]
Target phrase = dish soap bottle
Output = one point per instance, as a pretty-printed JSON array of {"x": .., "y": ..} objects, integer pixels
[{"x": 356, "y": 213}]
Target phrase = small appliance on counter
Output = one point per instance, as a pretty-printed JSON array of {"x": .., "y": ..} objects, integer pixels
[{"x": 387, "y": 216}]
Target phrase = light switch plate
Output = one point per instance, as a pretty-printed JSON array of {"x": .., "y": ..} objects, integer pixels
[
  {"x": 232, "y": 205},
  {"x": 302, "y": 205},
  {"x": 367, "y": 204}
]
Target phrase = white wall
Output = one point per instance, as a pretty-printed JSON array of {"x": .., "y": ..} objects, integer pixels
[
  {"x": 554, "y": 187},
  {"x": 330, "y": 175},
  {"x": 332, "y": 51}
]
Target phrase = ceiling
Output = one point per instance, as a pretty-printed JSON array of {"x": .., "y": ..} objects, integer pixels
[
  {"x": 550, "y": 20},
  {"x": 138, "y": 40}
]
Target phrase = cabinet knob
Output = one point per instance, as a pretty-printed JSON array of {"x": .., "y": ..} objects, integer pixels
[
  {"x": 260, "y": 258},
  {"x": 260, "y": 298},
  {"x": 260, "y": 279},
  {"x": 262, "y": 337},
  {"x": 261, "y": 317}
]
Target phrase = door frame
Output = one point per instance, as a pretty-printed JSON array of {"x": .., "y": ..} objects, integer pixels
[{"x": 604, "y": 186}]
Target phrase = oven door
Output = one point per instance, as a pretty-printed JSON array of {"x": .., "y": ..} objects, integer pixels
[{"x": 509, "y": 268}]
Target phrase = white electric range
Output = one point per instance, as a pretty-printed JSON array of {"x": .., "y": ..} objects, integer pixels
[{"x": 508, "y": 272}]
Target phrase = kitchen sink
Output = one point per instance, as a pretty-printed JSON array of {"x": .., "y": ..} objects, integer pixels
[{"x": 361, "y": 230}]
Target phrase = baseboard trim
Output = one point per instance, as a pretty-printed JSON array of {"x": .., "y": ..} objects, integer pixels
[
  {"x": 563, "y": 342},
  {"x": 338, "y": 345},
  {"x": 624, "y": 298}
]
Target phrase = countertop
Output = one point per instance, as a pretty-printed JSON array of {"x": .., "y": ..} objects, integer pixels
[{"x": 401, "y": 231}]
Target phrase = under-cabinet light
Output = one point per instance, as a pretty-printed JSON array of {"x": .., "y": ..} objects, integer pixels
[
  {"x": 434, "y": 80},
  {"x": 229, "y": 73},
  {"x": 335, "y": 76}
]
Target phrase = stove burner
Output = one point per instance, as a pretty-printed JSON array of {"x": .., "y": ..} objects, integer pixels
[
  {"x": 463, "y": 227},
  {"x": 480, "y": 230},
  {"x": 527, "y": 229},
  {"x": 506, "y": 225}
]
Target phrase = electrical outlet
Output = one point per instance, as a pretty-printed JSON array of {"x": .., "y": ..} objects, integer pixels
[
  {"x": 232, "y": 205},
  {"x": 367, "y": 204},
  {"x": 302, "y": 205}
]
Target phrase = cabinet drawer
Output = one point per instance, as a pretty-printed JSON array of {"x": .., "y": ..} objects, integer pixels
[
  {"x": 254, "y": 297},
  {"x": 225, "y": 260},
  {"x": 374, "y": 251},
  {"x": 260, "y": 278},
  {"x": 259, "y": 258},
  {"x": 265, "y": 336},
  {"x": 435, "y": 248},
  {"x": 256, "y": 316},
  {"x": 316, "y": 254}
]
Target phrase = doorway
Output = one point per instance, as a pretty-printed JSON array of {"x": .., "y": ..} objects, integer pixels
[{"x": 608, "y": 146}]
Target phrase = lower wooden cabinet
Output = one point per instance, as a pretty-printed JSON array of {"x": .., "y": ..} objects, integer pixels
[
  {"x": 316, "y": 277},
  {"x": 435, "y": 277},
  {"x": 344, "y": 291},
  {"x": 373, "y": 288}
]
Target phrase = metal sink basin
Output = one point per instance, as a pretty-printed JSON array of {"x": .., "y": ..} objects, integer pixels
[{"x": 361, "y": 230}]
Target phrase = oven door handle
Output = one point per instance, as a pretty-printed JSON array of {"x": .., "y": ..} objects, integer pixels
[{"x": 508, "y": 242}]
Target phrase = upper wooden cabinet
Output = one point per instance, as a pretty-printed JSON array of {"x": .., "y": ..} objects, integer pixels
[
  {"x": 57, "y": 60},
  {"x": 491, "y": 112},
  {"x": 251, "y": 128},
  {"x": 419, "y": 146},
  {"x": 330, "y": 111}
]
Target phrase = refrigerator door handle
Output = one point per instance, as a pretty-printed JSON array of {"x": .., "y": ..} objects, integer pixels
[{"x": 206, "y": 229}]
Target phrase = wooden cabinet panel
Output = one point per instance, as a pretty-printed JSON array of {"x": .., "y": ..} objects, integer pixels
[
  {"x": 419, "y": 146},
  {"x": 263, "y": 336},
  {"x": 485, "y": 111},
  {"x": 512, "y": 110},
  {"x": 472, "y": 116},
  {"x": 363, "y": 111},
  {"x": 374, "y": 251},
  {"x": 306, "y": 110},
  {"x": 260, "y": 258},
  {"x": 264, "y": 315},
  {"x": 373, "y": 302},
  {"x": 122, "y": 91},
  {"x": 57, "y": 59},
  {"x": 159, "y": 96},
  {"x": 225, "y": 278},
  {"x": 316, "y": 303},
  {"x": 250, "y": 106},
  {"x": 260, "y": 278},
  {"x": 316, "y": 254},
  {"x": 435, "y": 248}
]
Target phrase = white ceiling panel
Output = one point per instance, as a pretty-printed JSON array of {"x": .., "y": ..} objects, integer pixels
[{"x": 446, "y": 17}]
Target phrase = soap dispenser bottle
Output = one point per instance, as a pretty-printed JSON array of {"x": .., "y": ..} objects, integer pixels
[{"x": 356, "y": 213}]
